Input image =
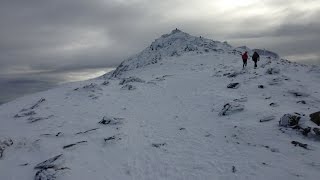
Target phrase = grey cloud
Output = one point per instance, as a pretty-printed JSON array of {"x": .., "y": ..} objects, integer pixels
[{"x": 33, "y": 32}]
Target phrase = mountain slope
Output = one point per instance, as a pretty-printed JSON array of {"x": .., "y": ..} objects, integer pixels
[{"x": 163, "y": 120}]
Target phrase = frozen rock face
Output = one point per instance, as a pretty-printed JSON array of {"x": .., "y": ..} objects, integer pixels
[{"x": 176, "y": 43}]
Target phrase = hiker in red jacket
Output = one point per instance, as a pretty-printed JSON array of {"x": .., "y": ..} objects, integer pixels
[{"x": 244, "y": 59}]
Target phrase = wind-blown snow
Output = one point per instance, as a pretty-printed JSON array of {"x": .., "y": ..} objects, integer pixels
[{"x": 164, "y": 120}]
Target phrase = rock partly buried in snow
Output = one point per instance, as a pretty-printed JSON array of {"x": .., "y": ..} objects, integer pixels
[
  {"x": 261, "y": 86},
  {"x": 316, "y": 131},
  {"x": 231, "y": 108},
  {"x": 273, "y": 70},
  {"x": 128, "y": 87},
  {"x": 267, "y": 118},
  {"x": 4, "y": 144},
  {"x": 243, "y": 99},
  {"x": 315, "y": 117},
  {"x": 50, "y": 163},
  {"x": 233, "y": 85},
  {"x": 109, "y": 120},
  {"x": 275, "y": 81},
  {"x": 45, "y": 174},
  {"x": 24, "y": 114},
  {"x": 298, "y": 94},
  {"x": 130, "y": 80},
  {"x": 289, "y": 120}
]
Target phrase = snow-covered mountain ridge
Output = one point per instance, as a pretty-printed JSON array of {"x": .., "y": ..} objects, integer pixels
[{"x": 194, "y": 113}]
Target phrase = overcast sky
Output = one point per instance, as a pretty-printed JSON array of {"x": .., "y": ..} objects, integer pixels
[{"x": 62, "y": 36}]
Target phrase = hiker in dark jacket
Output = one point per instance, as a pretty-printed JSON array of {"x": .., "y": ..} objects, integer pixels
[
  {"x": 244, "y": 59},
  {"x": 255, "y": 58}
]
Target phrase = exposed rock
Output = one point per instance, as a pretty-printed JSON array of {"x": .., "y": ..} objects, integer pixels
[
  {"x": 128, "y": 87},
  {"x": 87, "y": 131},
  {"x": 273, "y": 70},
  {"x": 130, "y": 80},
  {"x": 302, "y": 102},
  {"x": 157, "y": 145},
  {"x": 38, "y": 103},
  {"x": 24, "y": 114},
  {"x": 315, "y": 117},
  {"x": 243, "y": 99},
  {"x": 275, "y": 81},
  {"x": 267, "y": 118},
  {"x": 109, "y": 120},
  {"x": 231, "y": 108},
  {"x": 273, "y": 104},
  {"x": 73, "y": 144},
  {"x": 35, "y": 119},
  {"x": 4, "y": 144},
  {"x": 316, "y": 131},
  {"x": 105, "y": 83},
  {"x": 45, "y": 174},
  {"x": 298, "y": 94},
  {"x": 289, "y": 120},
  {"x": 261, "y": 86},
  {"x": 234, "y": 85},
  {"x": 296, "y": 143},
  {"x": 48, "y": 163},
  {"x": 112, "y": 138}
]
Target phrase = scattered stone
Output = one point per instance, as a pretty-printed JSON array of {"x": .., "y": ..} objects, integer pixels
[
  {"x": 48, "y": 163},
  {"x": 70, "y": 145},
  {"x": 234, "y": 85},
  {"x": 105, "y": 83},
  {"x": 289, "y": 120},
  {"x": 158, "y": 145},
  {"x": 128, "y": 87},
  {"x": 25, "y": 164},
  {"x": 243, "y": 99},
  {"x": 108, "y": 120},
  {"x": 231, "y": 108},
  {"x": 273, "y": 105},
  {"x": 267, "y": 118},
  {"x": 298, "y": 94},
  {"x": 261, "y": 86},
  {"x": 268, "y": 97},
  {"x": 315, "y": 117},
  {"x": 296, "y": 143},
  {"x": 302, "y": 102},
  {"x": 59, "y": 134},
  {"x": 87, "y": 131},
  {"x": 130, "y": 80},
  {"x": 182, "y": 129},
  {"x": 273, "y": 70}
]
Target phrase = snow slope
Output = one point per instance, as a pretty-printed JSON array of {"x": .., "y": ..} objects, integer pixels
[{"x": 164, "y": 122}]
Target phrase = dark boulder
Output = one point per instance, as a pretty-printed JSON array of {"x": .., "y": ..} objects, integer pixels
[
  {"x": 233, "y": 85},
  {"x": 315, "y": 117}
]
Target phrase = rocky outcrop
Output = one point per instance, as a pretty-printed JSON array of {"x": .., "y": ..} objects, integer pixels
[{"x": 315, "y": 117}]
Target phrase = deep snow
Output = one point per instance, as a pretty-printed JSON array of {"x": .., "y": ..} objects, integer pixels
[{"x": 158, "y": 116}]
